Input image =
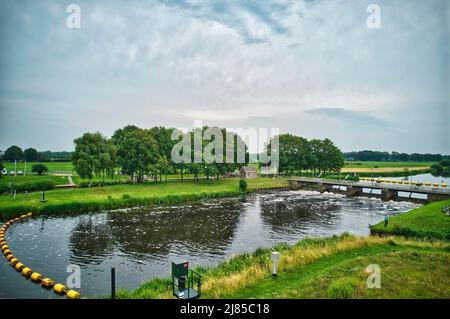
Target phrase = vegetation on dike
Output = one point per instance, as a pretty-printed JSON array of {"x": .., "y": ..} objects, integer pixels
[
  {"x": 429, "y": 221},
  {"x": 325, "y": 268},
  {"x": 121, "y": 196}
]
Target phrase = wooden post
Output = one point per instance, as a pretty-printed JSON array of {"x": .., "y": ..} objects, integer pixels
[{"x": 113, "y": 283}]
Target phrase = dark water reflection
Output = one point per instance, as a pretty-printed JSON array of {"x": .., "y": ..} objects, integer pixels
[{"x": 140, "y": 243}]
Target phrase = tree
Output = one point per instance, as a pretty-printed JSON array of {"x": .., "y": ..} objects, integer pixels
[
  {"x": 137, "y": 151},
  {"x": 39, "y": 168},
  {"x": 31, "y": 155},
  {"x": 13, "y": 153},
  {"x": 1, "y": 168},
  {"x": 242, "y": 185},
  {"x": 94, "y": 155},
  {"x": 161, "y": 167}
]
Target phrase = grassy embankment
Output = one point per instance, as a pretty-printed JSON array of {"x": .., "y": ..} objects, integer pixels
[
  {"x": 428, "y": 221},
  {"x": 118, "y": 196},
  {"x": 336, "y": 267},
  {"x": 325, "y": 268}
]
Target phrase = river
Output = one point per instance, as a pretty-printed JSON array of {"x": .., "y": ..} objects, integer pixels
[{"x": 141, "y": 242}]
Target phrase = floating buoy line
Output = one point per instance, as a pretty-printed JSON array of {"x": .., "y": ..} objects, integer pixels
[{"x": 27, "y": 272}]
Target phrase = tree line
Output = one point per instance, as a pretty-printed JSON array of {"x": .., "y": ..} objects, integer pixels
[
  {"x": 139, "y": 152},
  {"x": 393, "y": 156},
  {"x": 15, "y": 153},
  {"x": 297, "y": 154}
]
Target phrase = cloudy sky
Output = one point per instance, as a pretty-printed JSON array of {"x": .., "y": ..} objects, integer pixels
[{"x": 311, "y": 68}]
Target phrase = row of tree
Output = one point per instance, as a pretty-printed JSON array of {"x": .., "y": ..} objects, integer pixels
[
  {"x": 141, "y": 152},
  {"x": 394, "y": 156},
  {"x": 297, "y": 154},
  {"x": 15, "y": 153},
  {"x": 148, "y": 152}
]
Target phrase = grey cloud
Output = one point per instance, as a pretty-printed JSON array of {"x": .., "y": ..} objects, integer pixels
[{"x": 341, "y": 114}]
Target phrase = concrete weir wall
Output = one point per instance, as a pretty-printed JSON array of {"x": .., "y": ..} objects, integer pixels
[{"x": 356, "y": 189}]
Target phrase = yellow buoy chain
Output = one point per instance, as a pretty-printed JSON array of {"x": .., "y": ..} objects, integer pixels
[{"x": 26, "y": 271}]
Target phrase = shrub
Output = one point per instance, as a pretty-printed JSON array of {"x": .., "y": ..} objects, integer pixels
[
  {"x": 39, "y": 168},
  {"x": 242, "y": 185},
  {"x": 28, "y": 187}
]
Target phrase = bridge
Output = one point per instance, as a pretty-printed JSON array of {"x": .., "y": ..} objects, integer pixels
[{"x": 388, "y": 191}]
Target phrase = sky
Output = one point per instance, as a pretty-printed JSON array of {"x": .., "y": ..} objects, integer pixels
[{"x": 308, "y": 67}]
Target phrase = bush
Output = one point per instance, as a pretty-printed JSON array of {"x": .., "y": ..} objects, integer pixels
[
  {"x": 242, "y": 185},
  {"x": 28, "y": 187},
  {"x": 39, "y": 168}
]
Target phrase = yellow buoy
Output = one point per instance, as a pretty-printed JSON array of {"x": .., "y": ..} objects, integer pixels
[
  {"x": 27, "y": 272},
  {"x": 5, "y": 247},
  {"x": 7, "y": 252},
  {"x": 14, "y": 261},
  {"x": 413, "y": 183},
  {"x": 19, "y": 266},
  {"x": 444, "y": 185},
  {"x": 406, "y": 183},
  {"x": 37, "y": 277},
  {"x": 2, "y": 243},
  {"x": 72, "y": 294},
  {"x": 59, "y": 288},
  {"x": 436, "y": 185},
  {"x": 9, "y": 257},
  {"x": 427, "y": 184},
  {"x": 47, "y": 282}
]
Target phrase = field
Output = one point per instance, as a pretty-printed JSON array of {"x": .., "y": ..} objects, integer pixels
[
  {"x": 360, "y": 164},
  {"x": 325, "y": 268},
  {"x": 53, "y": 167},
  {"x": 127, "y": 195},
  {"x": 20, "y": 179}
]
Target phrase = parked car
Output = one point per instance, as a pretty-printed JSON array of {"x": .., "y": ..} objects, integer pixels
[
  {"x": 19, "y": 172},
  {"x": 4, "y": 171},
  {"x": 12, "y": 173}
]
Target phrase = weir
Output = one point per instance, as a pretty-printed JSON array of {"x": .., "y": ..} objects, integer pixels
[{"x": 388, "y": 191}]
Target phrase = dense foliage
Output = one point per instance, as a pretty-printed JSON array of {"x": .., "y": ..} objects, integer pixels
[
  {"x": 297, "y": 154},
  {"x": 39, "y": 169},
  {"x": 393, "y": 156},
  {"x": 441, "y": 169}
]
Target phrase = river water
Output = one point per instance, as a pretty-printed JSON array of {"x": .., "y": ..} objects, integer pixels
[{"x": 141, "y": 243}]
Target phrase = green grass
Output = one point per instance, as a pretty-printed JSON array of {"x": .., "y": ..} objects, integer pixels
[
  {"x": 109, "y": 197},
  {"x": 426, "y": 221},
  {"x": 407, "y": 272},
  {"x": 364, "y": 164},
  {"x": 22, "y": 179},
  {"x": 325, "y": 268},
  {"x": 53, "y": 167}
]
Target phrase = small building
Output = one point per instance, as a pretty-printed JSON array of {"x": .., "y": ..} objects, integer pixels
[{"x": 248, "y": 172}]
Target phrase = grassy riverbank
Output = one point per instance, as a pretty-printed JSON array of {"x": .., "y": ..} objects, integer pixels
[
  {"x": 428, "y": 221},
  {"x": 118, "y": 196},
  {"x": 326, "y": 268}
]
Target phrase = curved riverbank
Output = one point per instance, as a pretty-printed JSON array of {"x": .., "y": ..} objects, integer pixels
[
  {"x": 324, "y": 268},
  {"x": 125, "y": 196},
  {"x": 336, "y": 267}
]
